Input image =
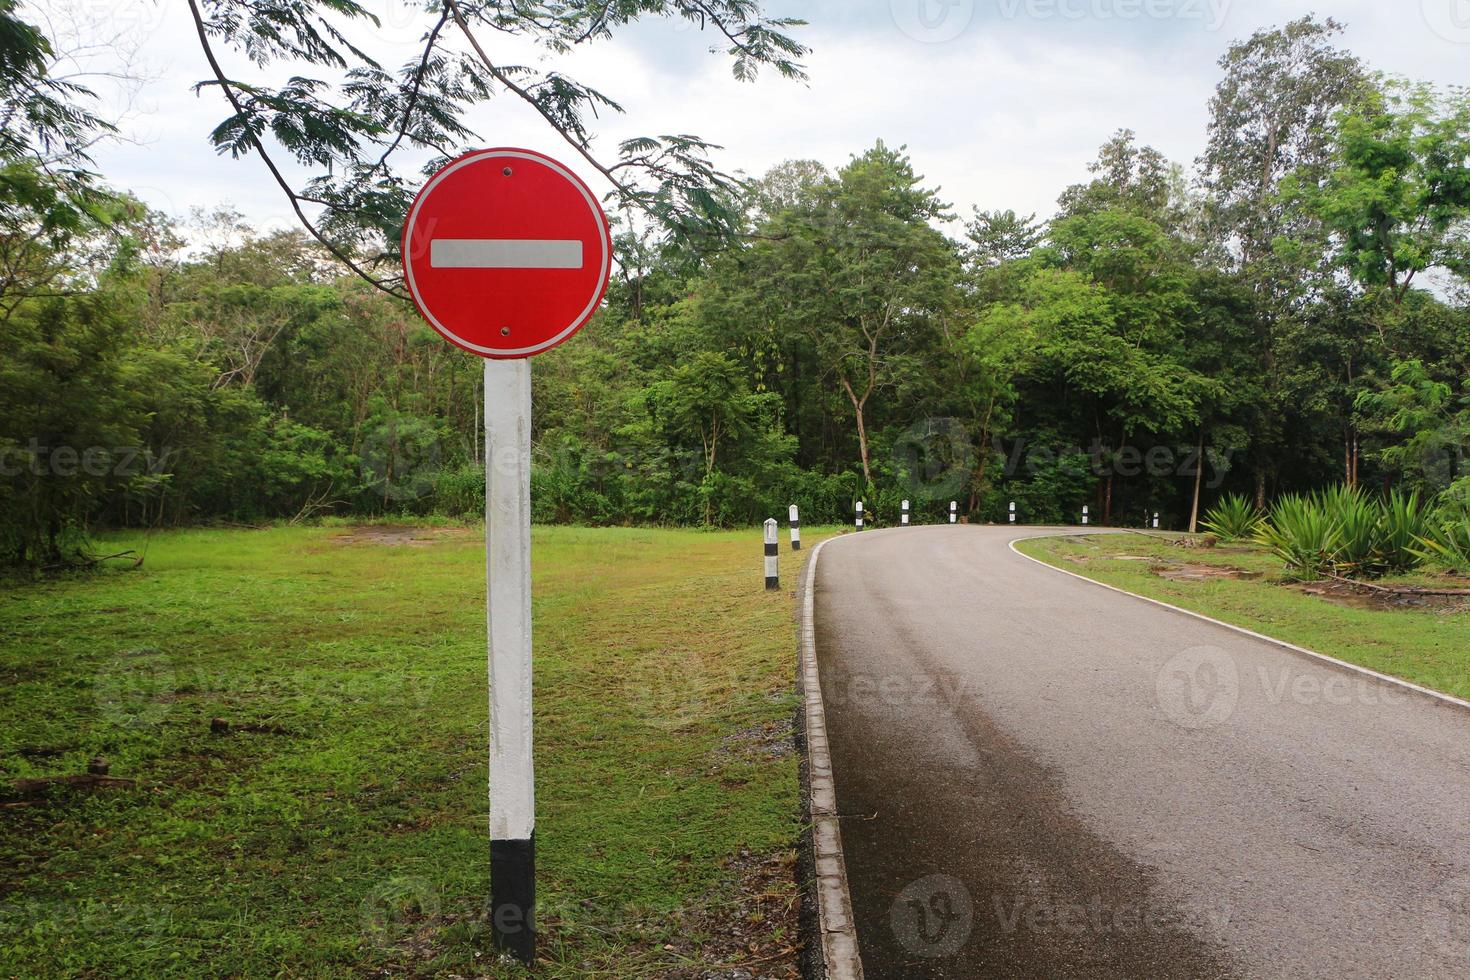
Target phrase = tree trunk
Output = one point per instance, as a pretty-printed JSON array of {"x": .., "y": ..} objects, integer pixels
[
  {"x": 863, "y": 443},
  {"x": 1199, "y": 479},
  {"x": 1260, "y": 488}
]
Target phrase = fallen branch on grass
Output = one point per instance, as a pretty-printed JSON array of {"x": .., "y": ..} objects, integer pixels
[{"x": 1397, "y": 589}]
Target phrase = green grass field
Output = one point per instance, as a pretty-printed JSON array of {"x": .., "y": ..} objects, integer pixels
[
  {"x": 1426, "y": 645},
  {"x": 339, "y": 826}
]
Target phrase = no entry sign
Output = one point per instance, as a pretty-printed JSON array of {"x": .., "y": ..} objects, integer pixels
[{"x": 506, "y": 252}]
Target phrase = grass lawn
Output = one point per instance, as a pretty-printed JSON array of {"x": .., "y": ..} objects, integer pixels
[
  {"x": 1429, "y": 645},
  {"x": 338, "y": 826}
]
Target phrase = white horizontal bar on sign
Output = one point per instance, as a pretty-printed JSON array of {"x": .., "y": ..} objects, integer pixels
[{"x": 505, "y": 253}]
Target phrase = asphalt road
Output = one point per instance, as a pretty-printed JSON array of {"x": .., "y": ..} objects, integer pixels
[{"x": 1040, "y": 777}]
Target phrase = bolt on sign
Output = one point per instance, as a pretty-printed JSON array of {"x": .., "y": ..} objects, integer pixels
[{"x": 506, "y": 254}]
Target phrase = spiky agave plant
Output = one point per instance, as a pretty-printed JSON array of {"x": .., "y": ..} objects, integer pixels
[
  {"x": 1405, "y": 522},
  {"x": 1358, "y": 519},
  {"x": 1233, "y": 518},
  {"x": 1302, "y": 533},
  {"x": 1447, "y": 540}
]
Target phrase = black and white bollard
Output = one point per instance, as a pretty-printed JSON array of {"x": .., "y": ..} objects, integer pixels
[
  {"x": 795, "y": 517},
  {"x": 1084, "y": 515},
  {"x": 954, "y": 511},
  {"x": 860, "y": 515},
  {"x": 904, "y": 517},
  {"x": 773, "y": 561},
  {"x": 1156, "y": 520},
  {"x": 1013, "y": 512}
]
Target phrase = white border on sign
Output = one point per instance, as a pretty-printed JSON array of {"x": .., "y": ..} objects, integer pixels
[{"x": 592, "y": 205}]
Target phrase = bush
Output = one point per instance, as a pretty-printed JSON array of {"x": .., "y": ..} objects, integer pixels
[
  {"x": 1446, "y": 541},
  {"x": 460, "y": 492},
  {"x": 1343, "y": 531},
  {"x": 1234, "y": 518},
  {"x": 1302, "y": 534}
]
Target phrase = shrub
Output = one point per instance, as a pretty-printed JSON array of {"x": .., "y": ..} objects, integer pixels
[
  {"x": 460, "y": 492},
  {"x": 1406, "y": 522},
  {"x": 1446, "y": 541},
  {"x": 1344, "y": 531},
  {"x": 1302, "y": 534},
  {"x": 1234, "y": 518}
]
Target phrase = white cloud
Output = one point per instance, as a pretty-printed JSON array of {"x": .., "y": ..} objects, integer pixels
[{"x": 1004, "y": 112}]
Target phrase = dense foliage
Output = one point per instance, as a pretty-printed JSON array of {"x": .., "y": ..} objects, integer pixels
[{"x": 1288, "y": 314}]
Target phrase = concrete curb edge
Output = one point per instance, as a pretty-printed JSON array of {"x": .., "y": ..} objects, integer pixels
[{"x": 836, "y": 929}]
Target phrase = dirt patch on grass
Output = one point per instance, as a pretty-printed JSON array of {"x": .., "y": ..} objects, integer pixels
[
  {"x": 740, "y": 926},
  {"x": 772, "y": 740},
  {"x": 416, "y": 537},
  {"x": 1361, "y": 597},
  {"x": 1191, "y": 572}
]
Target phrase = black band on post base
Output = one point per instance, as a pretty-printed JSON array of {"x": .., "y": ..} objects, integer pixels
[{"x": 513, "y": 897}]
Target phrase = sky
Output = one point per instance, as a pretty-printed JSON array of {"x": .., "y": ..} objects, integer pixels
[{"x": 1001, "y": 103}]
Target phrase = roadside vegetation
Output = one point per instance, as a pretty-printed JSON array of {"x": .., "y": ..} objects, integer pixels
[
  {"x": 1346, "y": 532},
  {"x": 263, "y": 753},
  {"x": 1399, "y": 627},
  {"x": 1285, "y": 313}
]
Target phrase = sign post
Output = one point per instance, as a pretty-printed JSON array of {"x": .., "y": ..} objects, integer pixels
[{"x": 507, "y": 253}]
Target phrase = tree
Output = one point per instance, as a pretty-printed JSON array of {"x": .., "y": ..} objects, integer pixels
[
  {"x": 860, "y": 274},
  {"x": 1271, "y": 116},
  {"x": 347, "y": 119},
  {"x": 1002, "y": 236},
  {"x": 1398, "y": 197}
]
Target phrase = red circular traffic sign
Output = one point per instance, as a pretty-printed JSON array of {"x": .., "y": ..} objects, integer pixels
[{"x": 506, "y": 252}]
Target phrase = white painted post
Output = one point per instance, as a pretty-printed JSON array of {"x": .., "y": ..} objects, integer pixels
[
  {"x": 1156, "y": 519},
  {"x": 773, "y": 551},
  {"x": 954, "y": 511},
  {"x": 1013, "y": 512},
  {"x": 904, "y": 517},
  {"x": 795, "y": 518},
  {"x": 859, "y": 515},
  {"x": 1084, "y": 515},
  {"x": 508, "y": 614}
]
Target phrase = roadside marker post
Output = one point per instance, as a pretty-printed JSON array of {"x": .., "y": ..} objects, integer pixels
[
  {"x": 1156, "y": 520},
  {"x": 795, "y": 517},
  {"x": 859, "y": 515},
  {"x": 904, "y": 517},
  {"x": 1084, "y": 515},
  {"x": 773, "y": 551},
  {"x": 1013, "y": 512},
  {"x": 954, "y": 511},
  {"x": 506, "y": 253}
]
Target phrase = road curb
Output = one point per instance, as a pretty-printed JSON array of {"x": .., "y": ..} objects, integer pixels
[
  {"x": 1449, "y": 700},
  {"x": 836, "y": 933}
]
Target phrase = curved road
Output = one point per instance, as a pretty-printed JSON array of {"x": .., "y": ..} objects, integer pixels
[{"x": 1038, "y": 777}]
